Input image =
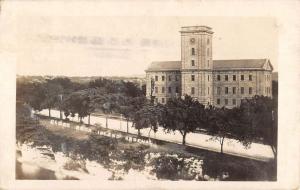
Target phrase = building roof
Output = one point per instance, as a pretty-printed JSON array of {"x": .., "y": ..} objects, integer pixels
[
  {"x": 241, "y": 64},
  {"x": 164, "y": 66},
  {"x": 237, "y": 64}
]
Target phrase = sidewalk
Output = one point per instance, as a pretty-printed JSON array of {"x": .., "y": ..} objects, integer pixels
[{"x": 256, "y": 151}]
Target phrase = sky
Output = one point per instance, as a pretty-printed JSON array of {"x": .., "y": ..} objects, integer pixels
[{"x": 85, "y": 45}]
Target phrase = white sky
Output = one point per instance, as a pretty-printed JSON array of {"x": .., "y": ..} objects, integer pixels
[{"x": 52, "y": 44}]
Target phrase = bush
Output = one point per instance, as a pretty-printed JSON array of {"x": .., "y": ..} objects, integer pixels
[
  {"x": 75, "y": 165},
  {"x": 167, "y": 167}
]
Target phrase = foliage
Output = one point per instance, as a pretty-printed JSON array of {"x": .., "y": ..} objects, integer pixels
[
  {"x": 76, "y": 165},
  {"x": 228, "y": 123},
  {"x": 183, "y": 115},
  {"x": 175, "y": 167},
  {"x": 148, "y": 117},
  {"x": 262, "y": 114}
]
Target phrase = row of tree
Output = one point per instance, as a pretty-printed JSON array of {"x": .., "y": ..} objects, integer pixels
[{"x": 254, "y": 120}]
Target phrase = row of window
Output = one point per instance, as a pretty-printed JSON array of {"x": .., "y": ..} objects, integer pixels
[
  {"x": 226, "y": 77},
  {"x": 193, "y": 90},
  {"x": 169, "y": 78},
  {"x": 193, "y": 63},
  {"x": 267, "y": 77},
  {"x": 234, "y": 90},
  {"x": 193, "y": 52},
  {"x": 268, "y": 90},
  {"x": 169, "y": 89},
  {"x": 227, "y": 101},
  {"x": 193, "y": 77},
  {"x": 219, "y": 90}
]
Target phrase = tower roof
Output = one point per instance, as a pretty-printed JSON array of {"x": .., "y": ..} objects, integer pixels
[{"x": 192, "y": 29}]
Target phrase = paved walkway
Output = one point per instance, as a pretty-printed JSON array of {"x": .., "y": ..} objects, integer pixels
[{"x": 256, "y": 151}]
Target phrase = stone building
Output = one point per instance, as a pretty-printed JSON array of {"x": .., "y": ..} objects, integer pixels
[{"x": 211, "y": 82}]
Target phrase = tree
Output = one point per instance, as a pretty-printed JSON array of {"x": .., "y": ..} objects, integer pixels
[
  {"x": 226, "y": 123},
  {"x": 80, "y": 102},
  {"x": 107, "y": 103},
  {"x": 147, "y": 117},
  {"x": 183, "y": 115},
  {"x": 261, "y": 112},
  {"x": 52, "y": 92},
  {"x": 128, "y": 107}
]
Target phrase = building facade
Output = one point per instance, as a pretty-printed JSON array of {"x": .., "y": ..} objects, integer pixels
[{"x": 211, "y": 82}]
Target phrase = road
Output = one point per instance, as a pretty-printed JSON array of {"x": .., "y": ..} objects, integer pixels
[{"x": 233, "y": 147}]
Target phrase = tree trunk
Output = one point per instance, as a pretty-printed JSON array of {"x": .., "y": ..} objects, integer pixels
[
  {"x": 183, "y": 138},
  {"x": 139, "y": 132},
  {"x": 89, "y": 120},
  {"x": 149, "y": 133},
  {"x": 222, "y": 143},
  {"x": 49, "y": 112},
  {"x": 127, "y": 127},
  {"x": 60, "y": 114},
  {"x": 106, "y": 120}
]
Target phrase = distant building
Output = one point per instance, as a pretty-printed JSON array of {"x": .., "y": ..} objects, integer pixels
[{"x": 211, "y": 82}]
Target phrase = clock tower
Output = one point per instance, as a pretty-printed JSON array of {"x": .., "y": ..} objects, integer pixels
[{"x": 197, "y": 63}]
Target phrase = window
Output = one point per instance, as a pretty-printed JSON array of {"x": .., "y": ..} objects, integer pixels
[
  {"x": 250, "y": 77},
  {"x": 207, "y": 77},
  {"x": 207, "y": 63},
  {"x": 163, "y": 90},
  {"x": 219, "y": 90},
  {"x": 192, "y": 90},
  {"x": 207, "y": 51},
  {"x": 242, "y": 90},
  {"x": 163, "y": 78},
  {"x": 226, "y": 77},
  {"x": 156, "y": 100},
  {"x": 250, "y": 90},
  {"x": 226, "y": 90},
  {"x": 218, "y": 101},
  {"x": 170, "y": 89},
  {"x": 234, "y": 101},
  {"x": 233, "y": 90},
  {"x": 193, "y": 51},
  {"x": 162, "y": 100},
  {"x": 156, "y": 90},
  {"x": 177, "y": 89},
  {"x": 234, "y": 77},
  {"x": 170, "y": 77},
  {"x": 219, "y": 77},
  {"x": 242, "y": 77},
  {"x": 226, "y": 101},
  {"x": 193, "y": 77},
  {"x": 193, "y": 62},
  {"x": 156, "y": 78},
  {"x": 207, "y": 90},
  {"x": 207, "y": 40},
  {"x": 176, "y": 77}
]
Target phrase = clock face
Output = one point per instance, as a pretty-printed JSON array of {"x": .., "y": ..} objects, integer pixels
[{"x": 192, "y": 40}]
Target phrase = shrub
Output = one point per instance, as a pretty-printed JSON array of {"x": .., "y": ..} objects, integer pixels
[{"x": 76, "y": 165}]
